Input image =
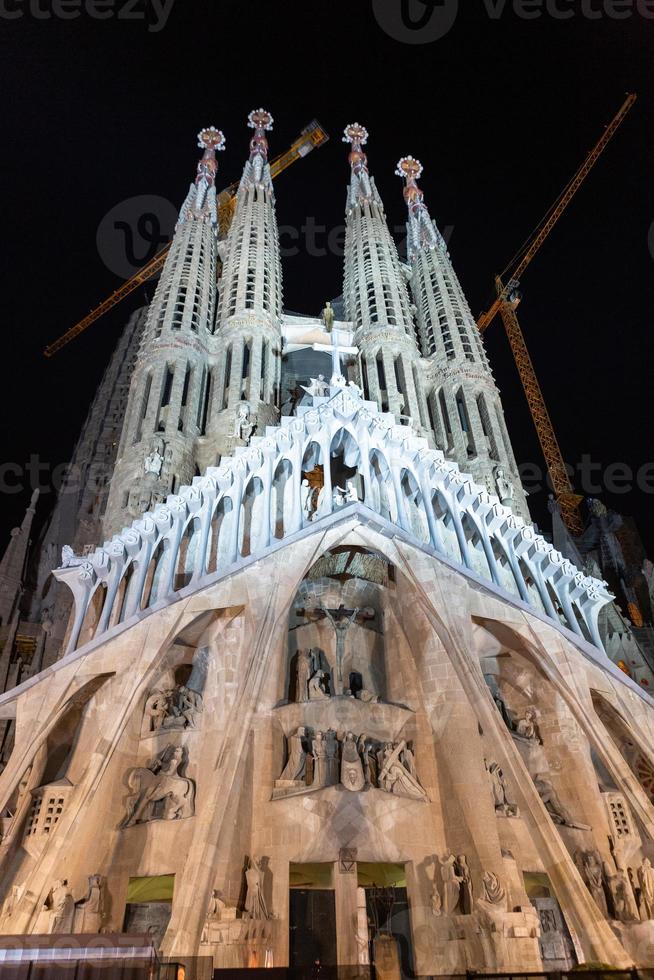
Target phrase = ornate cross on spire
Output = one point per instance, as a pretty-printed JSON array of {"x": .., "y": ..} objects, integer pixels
[
  {"x": 196, "y": 204},
  {"x": 261, "y": 122},
  {"x": 357, "y": 136},
  {"x": 422, "y": 231}
]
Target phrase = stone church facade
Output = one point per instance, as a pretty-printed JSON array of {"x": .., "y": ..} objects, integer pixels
[{"x": 324, "y": 692}]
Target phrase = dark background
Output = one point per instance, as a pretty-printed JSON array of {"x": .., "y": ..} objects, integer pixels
[{"x": 500, "y": 111}]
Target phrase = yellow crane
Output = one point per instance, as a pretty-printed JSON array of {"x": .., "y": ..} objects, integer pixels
[
  {"x": 506, "y": 303},
  {"x": 311, "y": 137}
]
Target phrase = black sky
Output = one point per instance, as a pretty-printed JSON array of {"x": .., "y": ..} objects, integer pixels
[{"x": 500, "y": 111}]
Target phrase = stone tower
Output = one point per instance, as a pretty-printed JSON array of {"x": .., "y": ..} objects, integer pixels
[
  {"x": 376, "y": 296},
  {"x": 157, "y": 451},
  {"x": 464, "y": 407},
  {"x": 247, "y": 359}
]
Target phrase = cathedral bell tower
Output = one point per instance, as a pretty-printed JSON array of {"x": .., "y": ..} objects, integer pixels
[
  {"x": 463, "y": 403},
  {"x": 247, "y": 347},
  {"x": 168, "y": 392},
  {"x": 376, "y": 296}
]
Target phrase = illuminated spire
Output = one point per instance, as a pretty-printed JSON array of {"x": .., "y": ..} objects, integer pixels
[
  {"x": 261, "y": 122},
  {"x": 200, "y": 201},
  {"x": 421, "y": 230},
  {"x": 361, "y": 187}
]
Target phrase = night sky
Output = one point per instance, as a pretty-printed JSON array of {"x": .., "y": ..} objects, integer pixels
[{"x": 500, "y": 110}]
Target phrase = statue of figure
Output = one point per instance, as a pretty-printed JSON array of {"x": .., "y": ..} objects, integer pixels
[
  {"x": 304, "y": 671},
  {"x": 505, "y": 490},
  {"x": 255, "y": 905},
  {"x": 339, "y": 496},
  {"x": 156, "y": 709},
  {"x": 317, "y": 687},
  {"x": 590, "y": 867},
  {"x": 465, "y": 879},
  {"x": 213, "y": 914},
  {"x": 622, "y": 898},
  {"x": 493, "y": 891},
  {"x": 498, "y": 788},
  {"x": 319, "y": 750},
  {"x": 12, "y": 900},
  {"x": 61, "y": 906},
  {"x": 154, "y": 460},
  {"x": 352, "y": 774},
  {"x": 367, "y": 760},
  {"x": 451, "y": 885},
  {"x": 243, "y": 425},
  {"x": 436, "y": 901},
  {"x": 296, "y": 766},
  {"x": 341, "y": 619},
  {"x": 646, "y": 882},
  {"x": 553, "y": 804},
  {"x": 351, "y": 492},
  {"x": 90, "y": 911},
  {"x": 183, "y": 707},
  {"x": 331, "y": 745},
  {"x": 328, "y": 317},
  {"x": 368, "y": 697},
  {"x": 162, "y": 793},
  {"x": 527, "y": 726},
  {"x": 318, "y": 387},
  {"x": 309, "y": 497},
  {"x": 394, "y": 777},
  {"x": 69, "y": 559}
]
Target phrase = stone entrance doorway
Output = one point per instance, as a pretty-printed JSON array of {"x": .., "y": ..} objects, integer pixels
[
  {"x": 556, "y": 948},
  {"x": 388, "y": 923},
  {"x": 312, "y": 916}
]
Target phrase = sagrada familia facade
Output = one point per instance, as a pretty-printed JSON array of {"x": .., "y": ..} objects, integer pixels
[{"x": 306, "y": 684}]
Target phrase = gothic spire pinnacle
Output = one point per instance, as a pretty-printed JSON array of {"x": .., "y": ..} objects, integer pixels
[
  {"x": 360, "y": 187},
  {"x": 201, "y": 199},
  {"x": 422, "y": 232}
]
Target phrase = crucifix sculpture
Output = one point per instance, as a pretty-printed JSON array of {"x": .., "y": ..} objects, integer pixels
[{"x": 341, "y": 619}]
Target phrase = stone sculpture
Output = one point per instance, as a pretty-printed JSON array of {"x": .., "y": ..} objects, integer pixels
[
  {"x": 255, "y": 904},
  {"x": 494, "y": 894},
  {"x": 394, "y": 777},
  {"x": 309, "y": 499},
  {"x": 318, "y": 388},
  {"x": 623, "y": 903},
  {"x": 527, "y": 726},
  {"x": 367, "y": 760},
  {"x": 296, "y": 766},
  {"x": 304, "y": 671},
  {"x": 173, "y": 708},
  {"x": 451, "y": 885},
  {"x": 553, "y": 805},
  {"x": 319, "y": 750},
  {"x": 153, "y": 462},
  {"x": 213, "y": 914},
  {"x": 317, "y": 687},
  {"x": 646, "y": 883},
  {"x": 498, "y": 789},
  {"x": 465, "y": 880},
  {"x": 505, "y": 490},
  {"x": 590, "y": 867},
  {"x": 352, "y": 774},
  {"x": 90, "y": 911},
  {"x": 331, "y": 745},
  {"x": 243, "y": 425},
  {"x": 61, "y": 905},
  {"x": 341, "y": 619},
  {"x": 328, "y": 317},
  {"x": 160, "y": 792}
]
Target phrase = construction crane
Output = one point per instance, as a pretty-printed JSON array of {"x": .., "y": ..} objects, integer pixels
[
  {"x": 311, "y": 137},
  {"x": 505, "y": 304}
]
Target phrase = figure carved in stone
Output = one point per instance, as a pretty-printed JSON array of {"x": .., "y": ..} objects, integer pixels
[
  {"x": 341, "y": 619},
  {"x": 174, "y": 708},
  {"x": 12, "y": 900},
  {"x": 646, "y": 882},
  {"x": 505, "y": 490},
  {"x": 331, "y": 745},
  {"x": 213, "y": 914},
  {"x": 498, "y": 788},
  {"x": 327, "y": 317},
  {"x": 465, "y": 879},
  {"x": 255, "y": 904},
  {"x": 451, "y": 885},
  {"x": 317, "y": 687},
  {"x": 436, "y": 901},
  {"x": 527, "y": 726},
  {"x": 161, "y": 793},
  {"x": 553, "y": 805},
  {"x": 623, "y": 903},
  {"x": 366, "y": 750},
  {"x": 296, "y": 766},
  {"x": 243, "y": 424},
  {"x": 61, "y": 905},
  {"x": 90, "y": 911},
  {"x": 309, "y": 497},
  {"x": 318, "y": 387},
  {"x": 493, "y": 891},
  {"x": 394, "y": 777},
  {"x": 590, "y": 867},
  {"x": 303, "y": 673},
  {"x": 153, "y": 462},
  {"x": 352, "y": 774},
  {"x": 319, "y": 750}
]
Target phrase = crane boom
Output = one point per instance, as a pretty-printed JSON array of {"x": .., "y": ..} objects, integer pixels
[
  {"x": 559, "y": 206},
  {"x": 311, "y": 137}
]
